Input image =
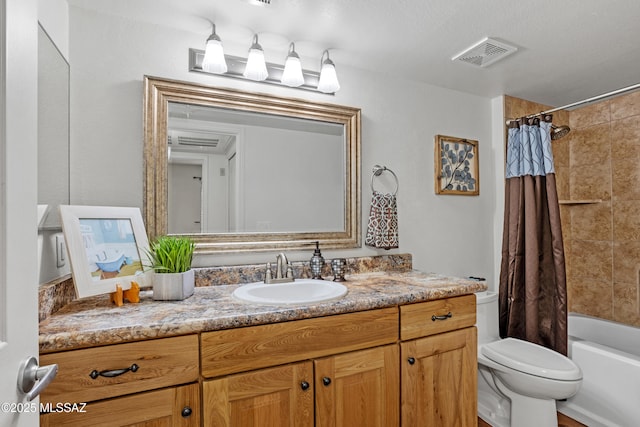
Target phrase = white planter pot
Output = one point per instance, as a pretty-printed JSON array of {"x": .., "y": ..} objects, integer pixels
[{"x": 173, "y": 286}]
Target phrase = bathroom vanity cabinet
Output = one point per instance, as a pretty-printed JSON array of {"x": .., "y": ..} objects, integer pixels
[{"x": 407, "y": 365}]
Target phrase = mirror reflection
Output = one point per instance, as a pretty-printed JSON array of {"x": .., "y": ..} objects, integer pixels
[
  {"x": 237, "y": 171},
  {"x": 241, "y": 171},
  {"x": 53, "y": 132}
]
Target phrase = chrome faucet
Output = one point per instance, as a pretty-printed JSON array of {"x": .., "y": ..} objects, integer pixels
[
  {"x": 282, "y": 262},
  {"x": 284, "y": 271}
]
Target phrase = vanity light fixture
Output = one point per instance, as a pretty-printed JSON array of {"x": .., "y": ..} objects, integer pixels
[
  {"x": 214, "y": 61},
  {"x": 328, "y": 78},
  {"x": 292, "y": 74},
  {"x": 256, "y": 68}
]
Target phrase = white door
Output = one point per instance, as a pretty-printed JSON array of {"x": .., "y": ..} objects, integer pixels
[
  {"x": 185, "y": 198},
  {"x": 18, "y": 199}
]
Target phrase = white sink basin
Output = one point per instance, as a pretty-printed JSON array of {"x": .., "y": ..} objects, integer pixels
[{"x": 301, "y": 291}]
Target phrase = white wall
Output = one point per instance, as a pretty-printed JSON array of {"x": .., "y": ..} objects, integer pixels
[
  {"x": 445, "y": 234},
  {"x": 499, "y": 155},
  {"x": 277, "y": 167}
]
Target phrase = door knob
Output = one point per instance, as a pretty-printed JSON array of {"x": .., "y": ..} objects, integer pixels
[{"x": 32, "y": 379}]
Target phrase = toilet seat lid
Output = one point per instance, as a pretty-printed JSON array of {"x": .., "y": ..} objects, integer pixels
[{"x": 532, "y": 359}]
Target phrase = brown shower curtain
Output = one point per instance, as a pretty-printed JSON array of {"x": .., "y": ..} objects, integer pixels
[{"x": 532, "y": 294}]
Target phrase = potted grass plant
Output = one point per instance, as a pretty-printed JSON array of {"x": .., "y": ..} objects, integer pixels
[{"x": 170, "y": 259}]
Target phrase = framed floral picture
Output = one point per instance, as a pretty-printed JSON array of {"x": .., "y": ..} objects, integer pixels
[{"x": 456, "y": 166}]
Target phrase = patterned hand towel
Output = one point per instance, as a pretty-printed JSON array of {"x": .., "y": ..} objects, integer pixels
[{"x": 382, "y": 230}]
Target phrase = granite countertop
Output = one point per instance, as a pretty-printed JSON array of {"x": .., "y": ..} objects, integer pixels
[{"x": 94, "y": 321}]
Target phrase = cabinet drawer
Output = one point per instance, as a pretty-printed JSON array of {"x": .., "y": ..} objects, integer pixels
[
  {"x": 159, "y": 363},
  {"x": 434, "y": 317},
  {"x": 244, "y": 349}
]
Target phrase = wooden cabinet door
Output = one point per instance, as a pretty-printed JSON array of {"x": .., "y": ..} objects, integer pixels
[
  {"x": 439, "y": 380},
  {"x": 274, "y": 397},
  {"x": 168, "y": 407},
  {"x": 358, "y": 389}
]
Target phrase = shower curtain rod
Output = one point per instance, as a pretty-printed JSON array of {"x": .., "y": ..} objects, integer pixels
[{"x": 585, "y": 101}]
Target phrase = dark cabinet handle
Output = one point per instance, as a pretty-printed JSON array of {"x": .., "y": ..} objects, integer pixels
[
  {"x": 304, "y": 385},
  {"x": 411, "y": 360},
  {"x": 186, "y": 412},
  {"x": 326, "y": 380},
  {"x": 113, "y": 373},
  {"x": 449, "y": 315}
]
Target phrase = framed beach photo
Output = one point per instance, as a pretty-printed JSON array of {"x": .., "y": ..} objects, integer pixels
[
  {"x": 107, "y": 246},
  {"x": 456, "y": 166}
]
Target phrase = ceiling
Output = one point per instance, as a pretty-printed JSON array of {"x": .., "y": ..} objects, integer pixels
[{"x": 567, "y": 50}]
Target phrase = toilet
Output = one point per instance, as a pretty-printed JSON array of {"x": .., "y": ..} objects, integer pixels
[{"x": 518, "y": 381}]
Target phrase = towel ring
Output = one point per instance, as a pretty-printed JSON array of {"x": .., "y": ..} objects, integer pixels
[{"x": 377, "y": 171}]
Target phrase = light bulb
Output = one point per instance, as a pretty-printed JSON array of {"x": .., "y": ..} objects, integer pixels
[
  {"x": 328, "y": 82},
  {"x": 256, "y": 68},
  {"x": 292, "y": 74},
  {"x": 214, "y": 61}
]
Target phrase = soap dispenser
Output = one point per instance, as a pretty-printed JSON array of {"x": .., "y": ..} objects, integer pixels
[{"x": 316, "y": 263}]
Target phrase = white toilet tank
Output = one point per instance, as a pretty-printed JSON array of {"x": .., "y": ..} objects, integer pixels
[{"x": 487, "y": 317}]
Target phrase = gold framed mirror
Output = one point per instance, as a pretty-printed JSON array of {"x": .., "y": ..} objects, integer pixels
[{"x": 267, "y": 172}]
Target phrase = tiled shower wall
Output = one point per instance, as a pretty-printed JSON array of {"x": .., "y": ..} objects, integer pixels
[{"x": 598, "y": 177}]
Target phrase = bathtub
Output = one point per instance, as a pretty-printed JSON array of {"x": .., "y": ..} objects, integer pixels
[
  {"x": 111, "y": 265},
  {"x": 609, "y": 355}
]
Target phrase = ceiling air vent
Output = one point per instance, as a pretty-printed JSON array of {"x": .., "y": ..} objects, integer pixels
[
  {"x": 190, "y": 140},
  {"x": 485, "y": 52}
]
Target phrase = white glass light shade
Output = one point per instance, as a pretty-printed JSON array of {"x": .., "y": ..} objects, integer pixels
[
  {"x": 256, "y": 68},
  {"x": 292, "y": 74},
  {"x": 214, "y": 61},
  {"x": 328, "y": 78}
]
